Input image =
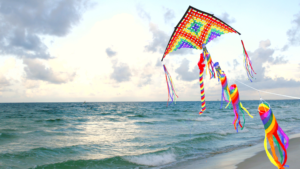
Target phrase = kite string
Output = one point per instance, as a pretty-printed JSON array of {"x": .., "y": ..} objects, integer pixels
[{"x": 268, "y": 92}]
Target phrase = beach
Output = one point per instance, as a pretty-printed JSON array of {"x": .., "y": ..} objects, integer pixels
[
  {"x": 252, "y": 157},
  {"x": 261, "y": 160}
]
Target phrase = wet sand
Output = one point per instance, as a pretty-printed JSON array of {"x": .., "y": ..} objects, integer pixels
[
  {"x": 252, "y": 157},
  {"x": 261, "y": 160}
]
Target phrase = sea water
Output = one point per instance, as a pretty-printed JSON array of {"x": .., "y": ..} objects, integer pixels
[{"x": 128, "y": 134}]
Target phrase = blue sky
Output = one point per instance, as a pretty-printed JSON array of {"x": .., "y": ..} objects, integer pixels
[{"x": 54, "y": 51}]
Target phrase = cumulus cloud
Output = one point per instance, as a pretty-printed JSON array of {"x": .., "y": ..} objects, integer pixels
[
  {"x": 121, "y": 72},
  {"x": 36, "y": 70},
  {"x": 110, "y": 52},
  {"x": 293, "y": 33},
  {"x": 23, "y": 23},
  {"x": 4, "y": 81},
  {"x": 184, "y": 73},
  {"x": 225, "y": 17},
  {"x": 263, "y": 55},
  {"x": 142, "y": 13},
  {"x": 158, "y": 63},
  {"x": 145, "y": 80},
  {"x": 235, "y": 63},
  {"x": 169, "y": 15}
]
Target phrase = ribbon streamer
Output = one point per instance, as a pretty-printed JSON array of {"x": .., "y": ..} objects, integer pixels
[
  {"x": 247, "y": 63},
  {"x": 171, "y": 87},
  {"x": 273, "y": 131},
  {"x": 237, "y": 107},
  {"x": 201, "y": 66}
]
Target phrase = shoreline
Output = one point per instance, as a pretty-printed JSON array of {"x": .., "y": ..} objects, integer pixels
[
  {"x": 252, "y": 157},
  {"x": 260, "y": 159}
]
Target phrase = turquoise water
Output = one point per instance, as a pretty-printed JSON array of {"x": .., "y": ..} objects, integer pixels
[{"x": 127, "y": 135}]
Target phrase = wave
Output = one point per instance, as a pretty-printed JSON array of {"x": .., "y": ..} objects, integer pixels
[
  {"x": 8, "y": 135},
  {"x": 288, "y": 119},
  {"x": 54, "y": 120},
  {"x": 139, "y": 161},
  {"x": 138, "y": 115},
  {"x": 40, "y": 152},
  {"x": 153, "y": 159},
  {"x": 114, "y": 162},
  {"x": 8, "y": 130}
]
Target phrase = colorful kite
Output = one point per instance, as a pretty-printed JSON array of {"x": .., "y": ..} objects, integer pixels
[
  {"x": 237, "y": 106},
  {"x": 273, "y": 134},
  {"x": 195, "y": 30},
  {"x": 170, "y": 85}
]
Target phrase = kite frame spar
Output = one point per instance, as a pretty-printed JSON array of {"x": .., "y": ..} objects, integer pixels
[{"x": 197, "y": 38}]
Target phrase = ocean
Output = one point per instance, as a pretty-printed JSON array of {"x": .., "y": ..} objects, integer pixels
[{"x": 133, "y": 135}]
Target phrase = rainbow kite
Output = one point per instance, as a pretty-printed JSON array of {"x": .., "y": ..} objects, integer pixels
[
  {"x": 273, "y": 134},
  {"x": 195, "y": 30}
]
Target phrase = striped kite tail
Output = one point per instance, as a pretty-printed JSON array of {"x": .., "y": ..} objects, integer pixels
[
  {"x": 203, "y": 108},
  {"x": 273, "y": 133}
]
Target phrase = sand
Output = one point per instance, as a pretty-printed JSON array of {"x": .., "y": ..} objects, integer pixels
[
  {"x": 246, "y": 158},
  {"x": 261, "y": 160}
]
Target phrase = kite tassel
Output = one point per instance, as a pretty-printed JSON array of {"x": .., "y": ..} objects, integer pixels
[
  {"x": 170, "y": 86},
  {"x": 247, "y": 63}
]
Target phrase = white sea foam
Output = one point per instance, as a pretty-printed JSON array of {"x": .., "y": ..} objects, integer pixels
[
  {"x": 204, "y": 119},
  {"x": 222, "y": 132},
  {"x": 152, "y": 159}
]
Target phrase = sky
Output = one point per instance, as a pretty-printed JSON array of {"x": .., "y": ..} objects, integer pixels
[{"x": 110, "y": 51}]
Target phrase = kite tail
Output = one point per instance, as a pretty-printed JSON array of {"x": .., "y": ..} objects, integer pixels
[
  {"x": 219, "y": 74},
  {"x": 203, "y": 108},
  {"x": 236, "y": 119},
  {"x": 210, "y": 66},
  {"x": 170, "y": 86},
  {"x": 245, "y": 110},
  {"x": 237, "y": 106},
  {"x": 273, "y": 131},
  {"x": 225, "y": 90},
  {"x": 218, "y": 70},
  {"x": 209, "y": 61},
  {"x": 247, "y": 63}
]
